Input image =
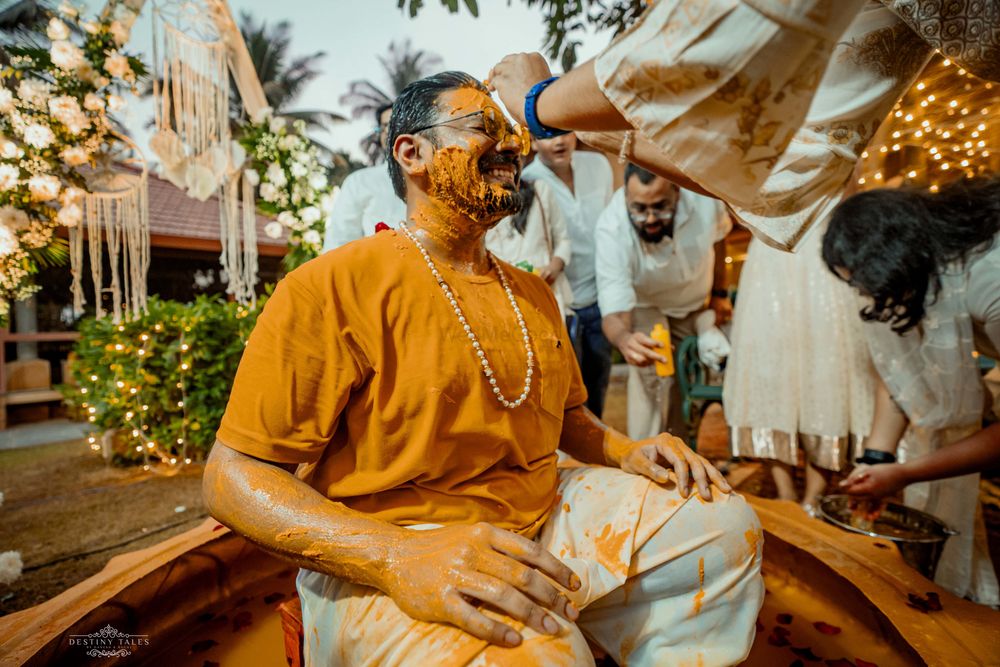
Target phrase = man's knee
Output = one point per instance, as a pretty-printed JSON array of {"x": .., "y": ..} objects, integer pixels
[{"x": 568, "y": 649}]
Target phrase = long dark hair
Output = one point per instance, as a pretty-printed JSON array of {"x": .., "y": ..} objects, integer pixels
[
  {"x": 520, "y": 220},
  {"x": 896, "y": 242}
]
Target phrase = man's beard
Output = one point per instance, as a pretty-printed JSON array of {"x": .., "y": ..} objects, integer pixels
[
  {"x": 653, "y": 237},
  {"x": 457, "y": 181}
]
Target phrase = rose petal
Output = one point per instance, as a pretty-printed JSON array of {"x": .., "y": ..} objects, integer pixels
[
  {"x": 777, "y": 640},
  {"x": 934, "y": 601},
  {"x": 242, "y": 620},
  {"x": 826, "y": 628},
  {"x": 784, "y": 632},
  {"x": 806, "y": 654},
  {"x": 784, "y": 619}
]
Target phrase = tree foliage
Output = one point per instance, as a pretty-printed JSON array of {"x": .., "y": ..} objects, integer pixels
[
  {"x": 565, "y": 20},
  {"x": 161, "y": 380},
  {"x": 402, "y": 65},
  {"x": 282, "y": 76}
]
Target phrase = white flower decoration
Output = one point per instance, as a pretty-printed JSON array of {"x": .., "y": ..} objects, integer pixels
[
  {"x": 9, "y": 177},
  {"x": 317, "y": 180},
  {"x": 276, "y": 175},
  {"x": 33, "y": 91},
  {"x": 68, "y": 10},
  {"x": 6, "y": 100},
  {"x": 312, "y": 237},
  {"x": 38, "y": 136},
  {"x": 298, "y": 169},
  {"x": 57, "y": 30},
  {"x": 70, "y": 215},
  {"x": 74, "y": 156},
  {"x": 44, "y": 187},
  {"x": 92, "y": 102},
  {"x": 66, "y": 55},
  {"x": 8, "y": 244},
  {"x": 9, "y": 150},
  {"x": 117, "y": 65},
  {"x": 253, "y": 178},
  {"x": 261, "y": 115},
  {"x": 14, "y": 218},
  {"x": 288, "y": 219},
  {"x": 310, "y": 214},
  {"x": 274, "y": 230},
  {"x": 268, "y": 192},
  {"x": 119, "y": 32},
  {"x": 277, "y": 124}
]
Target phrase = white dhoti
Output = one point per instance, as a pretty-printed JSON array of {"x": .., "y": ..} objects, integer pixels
[{"x": 666, "y": 581}]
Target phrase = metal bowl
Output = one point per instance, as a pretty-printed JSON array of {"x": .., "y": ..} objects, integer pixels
[{"x": 920, "y": 537}]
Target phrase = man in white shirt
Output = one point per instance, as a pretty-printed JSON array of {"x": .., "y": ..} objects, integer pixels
[
  {"x": 583, "y": 183},
  {"x": 366, "y": 198},
  {"x": 657, "y": 263}
]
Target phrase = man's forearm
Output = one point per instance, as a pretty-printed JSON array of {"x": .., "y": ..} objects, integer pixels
[
  {"x": 586, "y": 438},
  {"x": 284, "y": 515},
  {"x": 719, "y": 281},
  {"x": 616, "y": 326}
]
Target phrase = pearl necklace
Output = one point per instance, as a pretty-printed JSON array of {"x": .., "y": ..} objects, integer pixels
[{"x": 487, "y": 369}]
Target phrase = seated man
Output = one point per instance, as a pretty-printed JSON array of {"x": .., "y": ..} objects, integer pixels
[
  {"x": 427, "y": 512},
  {"x": 660, "y": 260}
]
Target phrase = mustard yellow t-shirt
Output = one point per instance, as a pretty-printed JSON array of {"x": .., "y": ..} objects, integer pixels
[{"x": 359, "y": 367}]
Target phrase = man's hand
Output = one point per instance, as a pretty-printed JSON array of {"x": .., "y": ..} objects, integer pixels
[
  {"x": 514, "y": 76},
  {"x": 551, "y": 271},
  {"x": 875, "y": 481},
  {"x": 442, "y": 575},
  {"x": 723, "y": 308},
  {"x": 640, "y": 457},
  {"x": 638, "y": 349}
]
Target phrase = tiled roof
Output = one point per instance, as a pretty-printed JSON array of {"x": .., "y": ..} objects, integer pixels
[{"x": 173, "y": 214}]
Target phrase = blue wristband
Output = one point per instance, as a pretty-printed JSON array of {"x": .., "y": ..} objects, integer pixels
[{"x": 538, "y": 130}]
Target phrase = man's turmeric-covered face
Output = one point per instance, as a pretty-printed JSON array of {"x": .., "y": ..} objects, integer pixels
[{"x": 473, "y": 172}]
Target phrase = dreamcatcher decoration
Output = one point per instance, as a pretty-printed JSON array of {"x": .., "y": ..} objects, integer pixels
[
  {"x": 115, "y": 210},
  {"x": 193, "y": 53}
]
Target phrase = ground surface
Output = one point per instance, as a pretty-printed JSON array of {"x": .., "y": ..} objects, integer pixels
[{"x": 68, "y": 513}]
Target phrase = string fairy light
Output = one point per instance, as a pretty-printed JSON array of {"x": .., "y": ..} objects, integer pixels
[{"x": 940, "y": 130}]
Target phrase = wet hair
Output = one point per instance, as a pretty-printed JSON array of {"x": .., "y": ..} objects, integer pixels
[
  {"x": 416, "y": 107},
  {"x": 645, "y": 176},
  {"x": 527, "y": 190},
  {"x": 896, "y": 243}
]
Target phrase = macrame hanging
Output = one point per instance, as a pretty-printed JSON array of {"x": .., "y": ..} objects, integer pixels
[
  {"x": 115, "y": 211},
  {"x": 193, "y": 139}
]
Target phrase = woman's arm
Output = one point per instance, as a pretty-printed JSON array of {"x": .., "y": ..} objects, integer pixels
[
  {"x": 889, "y": 422},
  {"x": 976, "y": 453},
  {"x": 574, "y": 102}
]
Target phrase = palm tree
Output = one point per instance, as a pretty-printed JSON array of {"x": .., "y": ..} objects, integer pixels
[
  {"x": 402, "y": 66},
  {"x": 283, "y": 77}
]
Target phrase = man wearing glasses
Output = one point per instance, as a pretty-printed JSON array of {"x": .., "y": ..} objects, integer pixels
[
  {"x": 365, "y": 198},
  {"x": 660, "y": 260},
  {"x": 393, "y": 430}
]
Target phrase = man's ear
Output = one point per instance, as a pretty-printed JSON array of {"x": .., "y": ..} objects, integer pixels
[{"x": 413, "y": 153}]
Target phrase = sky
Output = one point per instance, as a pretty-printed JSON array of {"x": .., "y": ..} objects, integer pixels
[{"x": 353, "y": 33}]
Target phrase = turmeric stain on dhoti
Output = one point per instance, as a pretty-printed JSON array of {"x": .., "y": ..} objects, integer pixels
[
  {"x": 753, "y": 537},
  {"x": 609, "y": 546},
  {"x": 700, "y": 595}
]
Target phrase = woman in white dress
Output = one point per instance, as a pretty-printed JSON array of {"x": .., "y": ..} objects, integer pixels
[
  {"x": 538, "y": 236},
  {"x": 929, "y": 267},
  {"x": 799, "y": 374}
]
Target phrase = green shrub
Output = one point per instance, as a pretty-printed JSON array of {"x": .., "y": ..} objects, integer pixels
[{"x": 161, "y": 381}]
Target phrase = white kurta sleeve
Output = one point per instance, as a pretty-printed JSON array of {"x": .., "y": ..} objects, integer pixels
[
  {"x": 984, "y": 296},
  {"x": 344, "y": 224},
  {"x": 561, "y": 245},
  {"x": 615, "y": 270}
]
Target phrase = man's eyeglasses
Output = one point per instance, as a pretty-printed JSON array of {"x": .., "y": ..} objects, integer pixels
[
  {"x": 494, "y": 126},
  {"x": 639, "y": 213}
]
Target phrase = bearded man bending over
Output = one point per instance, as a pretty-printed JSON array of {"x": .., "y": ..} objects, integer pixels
[{"x": 420, "y": 390}]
